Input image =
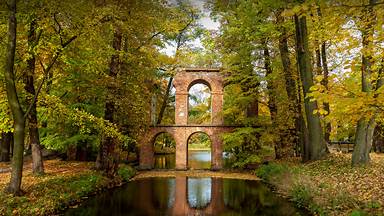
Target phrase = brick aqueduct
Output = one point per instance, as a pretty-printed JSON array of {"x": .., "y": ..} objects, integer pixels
[{"x": 181, "y": 130}]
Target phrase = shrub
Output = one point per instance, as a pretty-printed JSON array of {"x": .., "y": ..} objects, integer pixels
[
  {"x": 301, "y": 195},
  {"x": 126, "y": 172},
  {"x": 272, "y": 170}
]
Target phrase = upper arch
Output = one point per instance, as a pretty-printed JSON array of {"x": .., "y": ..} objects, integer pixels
[{"x": 199, "y": 81}]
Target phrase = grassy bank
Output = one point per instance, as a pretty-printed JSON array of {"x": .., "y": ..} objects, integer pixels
[
  {"x": 63, "y": 185},
  {"x": 330, "y": 186}
]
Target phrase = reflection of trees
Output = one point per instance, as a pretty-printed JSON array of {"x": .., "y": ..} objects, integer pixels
[
  {"x": 163, "y": 193},
  {"x": 187, "y": 196},
  {"x": 257, "y": 198},
  {"x": 199, "y": 106},
  {"x": 199, "y": 192}
]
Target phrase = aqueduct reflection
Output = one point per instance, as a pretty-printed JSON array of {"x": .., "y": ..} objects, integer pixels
[{"x": 183, "y": 196}]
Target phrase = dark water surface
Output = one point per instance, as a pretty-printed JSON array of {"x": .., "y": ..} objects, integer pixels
[{"x": 187, "y": 196}]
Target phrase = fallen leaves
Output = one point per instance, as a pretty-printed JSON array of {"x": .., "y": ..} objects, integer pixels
[{"x": 340, "y": 188}]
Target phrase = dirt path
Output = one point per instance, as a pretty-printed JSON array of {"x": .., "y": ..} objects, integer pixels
[{"x": 195, "y": 173}]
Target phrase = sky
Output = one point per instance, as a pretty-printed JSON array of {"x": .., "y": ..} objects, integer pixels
[{"x": 205, "y": 21}]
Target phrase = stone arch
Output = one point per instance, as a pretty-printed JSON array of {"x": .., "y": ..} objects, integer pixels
[
  {"x": 181, "y": 130},
  {"x": 147, "y": 148},
  {"x": 186, "y": 78},
  {"x": 207, "y": 133},
  {"x": 163, "y": 156},
  {"x": 200, "y": 81},
  {"x": 209, "y": 94}
]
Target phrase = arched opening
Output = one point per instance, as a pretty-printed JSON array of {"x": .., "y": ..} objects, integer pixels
[
  {"x": 164, "y": 147},
  {"x": 199, "y": 103},
  {"x": 199, "y": 151}
]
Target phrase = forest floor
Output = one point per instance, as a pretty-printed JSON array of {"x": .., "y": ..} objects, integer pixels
[
  {"x": 330, "y": 186},
  {"x": 63, "y": 184}
]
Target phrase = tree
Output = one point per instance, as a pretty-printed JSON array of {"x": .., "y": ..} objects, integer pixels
[
  {"x": 366, "y": 124},
  {"x": 28, "y": 78},
  {"x": 14, "y": 104},
  {"x": 316, "y": 147}
]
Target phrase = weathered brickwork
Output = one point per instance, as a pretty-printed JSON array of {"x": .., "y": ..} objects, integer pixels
[{"x": 181, "y": 131}]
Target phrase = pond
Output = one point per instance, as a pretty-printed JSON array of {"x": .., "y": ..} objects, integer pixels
[
  {"x": 187, "y": 196},
  {"x": 197, "y": 159}
]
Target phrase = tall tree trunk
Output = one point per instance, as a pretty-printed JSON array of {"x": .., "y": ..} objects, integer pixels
[
  {"x": 107, "y": 160},
  {"x": 165, "y": 101},
  {"x": 365, "y": 126},
  {"x": 378, "y": 139},
  {"x": 317, "y": 147},
  {"x": 5, "y": 146},
  {"x": 34, "y": 139},
  {"x": 290, "y": 83},
  {"x": 322, "y": 65},
  {"x": 324, "y": 82},
  {"x": 272, "y": 95},
  {"x": 280, "y": 145},
  {"x": 14, "y": 104}
]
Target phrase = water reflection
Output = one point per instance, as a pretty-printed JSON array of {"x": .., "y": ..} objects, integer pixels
[
  {"x": 199, "y": 159},
  {"x": 187, "y": 196},
  {"x": 165, "y": 161},
  {"x": 199, "y": 192}
]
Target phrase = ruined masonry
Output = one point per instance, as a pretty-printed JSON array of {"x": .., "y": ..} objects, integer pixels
[{"x": 181, "y": 131}]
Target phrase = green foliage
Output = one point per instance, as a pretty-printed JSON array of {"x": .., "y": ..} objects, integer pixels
[
  {"x": 199, "y": 105},
  {"x": 164, "y": 143},
  {"x": 269, "y": 171},
  {"x": 244, "y": 145},
  {"x": 358, "y": 213},
  {"x": 302, "y": 196},
  {"x": 373, "y": 205},
  {"x": 199, "y": 141},
  {"x": 126, "y": 172},
  {"x": 6, "y": 121}
]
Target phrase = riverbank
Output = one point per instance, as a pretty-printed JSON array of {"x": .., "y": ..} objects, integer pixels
[
  {"x": 64, "y": 184},
  {"x": 196, "y": 174},
  {"x": 330, "y": 186}
]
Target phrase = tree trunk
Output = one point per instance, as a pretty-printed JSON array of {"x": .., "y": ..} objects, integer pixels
[
  {"x": 165, "y": 101},
  {"x": 14, "y": 104},
  {"x": 322, "y": 65},
  {"x": 378, "y": 139},
  {"x": 34, "y": 139},
  {"x": 253, "y": 109},
  {"x": 107, "y": 160},
  {"x": 280, "y": 145},
  {"x": 271, "y": 90},
  {"x": 5, "y": 144},
  {"x": 272, "y": 94},
  {"x": 290, "y": 83},
  {"x": 324, "y": 82},
  {"x": 317, "y": 147},
  {"x": 365, "y": 127}
]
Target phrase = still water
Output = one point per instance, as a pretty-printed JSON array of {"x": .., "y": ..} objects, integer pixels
[
  {"x": 197, "y": 159},
  {"x": 187, "y": 196}
]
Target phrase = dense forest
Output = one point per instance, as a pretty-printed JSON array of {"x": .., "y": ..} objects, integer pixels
[{"x": 79, "y": 78}]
